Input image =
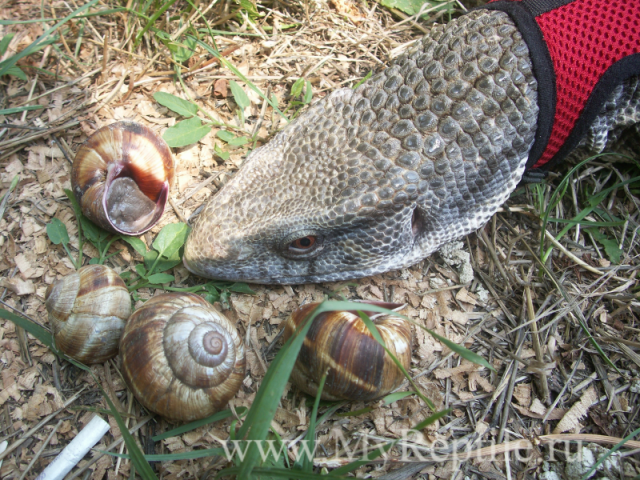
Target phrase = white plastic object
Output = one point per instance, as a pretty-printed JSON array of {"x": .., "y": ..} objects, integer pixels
[{"x": 76, "y": 450}]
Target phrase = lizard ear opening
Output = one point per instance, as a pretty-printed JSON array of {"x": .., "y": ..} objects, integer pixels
[{"x": 416, "y": 222}]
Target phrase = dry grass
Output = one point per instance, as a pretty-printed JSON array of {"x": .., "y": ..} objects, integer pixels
[{"x": 532, "y": 321}]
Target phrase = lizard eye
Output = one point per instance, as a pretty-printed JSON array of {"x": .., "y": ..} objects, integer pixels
[
  {"x": 299, "y": 247},
  {"x": 304, "y": 243}
]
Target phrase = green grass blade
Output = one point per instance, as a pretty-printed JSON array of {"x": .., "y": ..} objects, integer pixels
[
  {"x": 11, "y": 61},
  {"x": 610, "y": 452},
  {"x": 460, "y": 350},
  {"x": 152, "y": 20},
  {"x": 9, "y": 111},
  {"x": 172, "y": 457},
  {"x": 33, "y": 328},
  {"x": 216, "y": 417},
  {"x": 109, "y": 11},
  {"x": 137, "y": 457},
  {"x": 367, "y": 458},
  {"x": 431, "y": 419},
  {"x": 237, "y": 73},
  {"x": 306, "y": 464},
  {"x": 281, "y": 473}
]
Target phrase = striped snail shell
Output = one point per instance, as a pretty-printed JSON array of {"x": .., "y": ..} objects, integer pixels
[
  {"x": 121, "y": 177},
  {"x": 181, "y": 357},
  {"x": 339, "y": 342},
  {"x": 87, "y": 312}
]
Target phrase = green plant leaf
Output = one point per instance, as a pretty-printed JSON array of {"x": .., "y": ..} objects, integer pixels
[
  {"x": 221, "y": 153},
  {"x": 296, "y": 88},
  {"x": 238, "y": 141},
  {"x": 141, "y": 270},
  {"x": 186, "y": 132},
  {"x": 160, "y": 278},
  {"x": 57, "y": 232},
  {"x": 4, "y": 43},
  {"x": 164, "y": 264},
  {"x": 250, "y": 8},
  {"x": 185, "y": 49},
  {"x": 94, "y": 234},
  {"x": 411, "y": 7},
  {"x": 176, "y": 104},
  {"x": 394, "y": 397},
  {"x": 610, "y": 246},
  {"x": 137, "y": 244},
  {"x": 171, "y": 238},
  {"x": 240, "y": 287},
  {"x": 225, "y": 135},
  {"x": 239, "y": 95}
]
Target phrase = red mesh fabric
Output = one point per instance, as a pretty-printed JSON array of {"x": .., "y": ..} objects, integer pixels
[{"x": 584, "y": 39}]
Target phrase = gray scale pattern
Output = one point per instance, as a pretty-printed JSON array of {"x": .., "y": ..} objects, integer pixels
[{"x": 419, "y": 155}]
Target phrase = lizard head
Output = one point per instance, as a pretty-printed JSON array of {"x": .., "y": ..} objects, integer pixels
[
  {"x": 307, "y": 207},
  {"x": 377, "y": 178}
]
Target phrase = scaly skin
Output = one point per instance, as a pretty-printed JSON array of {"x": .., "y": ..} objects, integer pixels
[{"x": 421, "y": 154}]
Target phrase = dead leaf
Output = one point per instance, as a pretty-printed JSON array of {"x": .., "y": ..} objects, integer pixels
[{"x": 577, "y": 411}]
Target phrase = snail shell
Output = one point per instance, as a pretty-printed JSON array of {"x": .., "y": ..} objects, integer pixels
[
  {"x": 121, "y": 177},
  {"x": 87, "y": 312},
  {"x": 340, "y": 343},
  {"x": 182, "y": 358}
]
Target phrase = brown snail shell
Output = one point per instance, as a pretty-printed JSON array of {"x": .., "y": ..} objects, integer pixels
[
  {"x": 121, "y": 177},
  {"x": 340, "y": 343},
  {"x": 87, "y": 312},
  {"x": 182, "y": 358}
]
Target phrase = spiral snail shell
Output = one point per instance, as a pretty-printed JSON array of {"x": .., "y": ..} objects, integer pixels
[
  {"x": 121, "y": 177},
  {"x": 340, "y": 343},
  {"x": 181, "y": 358},
  {"x": 87, "y": 312}
]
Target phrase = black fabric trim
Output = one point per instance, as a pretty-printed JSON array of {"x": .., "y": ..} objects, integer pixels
[
  {"x": 536, "y": 175},
  {"x": 617, "y": 73},
  {"x": 539, "y": 7},
  {"x": 542, "y": 70}
]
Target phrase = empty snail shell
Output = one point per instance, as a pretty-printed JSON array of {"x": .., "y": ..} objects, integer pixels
[
  {"x": 341, "y": 344},
  {"x": 121, "y": 177},
  {"x": 87, "y": 312},
  {"x": 181, "y": 358}
]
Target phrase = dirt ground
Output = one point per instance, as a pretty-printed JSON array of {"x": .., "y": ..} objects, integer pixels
[{"x": 549, "y": 380}]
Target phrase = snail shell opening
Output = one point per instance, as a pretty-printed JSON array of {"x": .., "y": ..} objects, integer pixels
[{"x": 121, "y": 177}]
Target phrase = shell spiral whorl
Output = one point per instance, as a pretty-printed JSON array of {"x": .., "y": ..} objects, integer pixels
[
  {"x": 182, "y": 358},
  {"x": 87, "y": 312}
]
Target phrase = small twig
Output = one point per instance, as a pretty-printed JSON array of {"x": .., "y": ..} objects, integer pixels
[
  {"x": 35, "y": 136},
  {"x": 176, "y": 210},
  {"x": 40, "y": 424},
  {"x": 494, "y": 257},
  {"x": 535, "y": 338},
  {"x": 44, "y": 445}
]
